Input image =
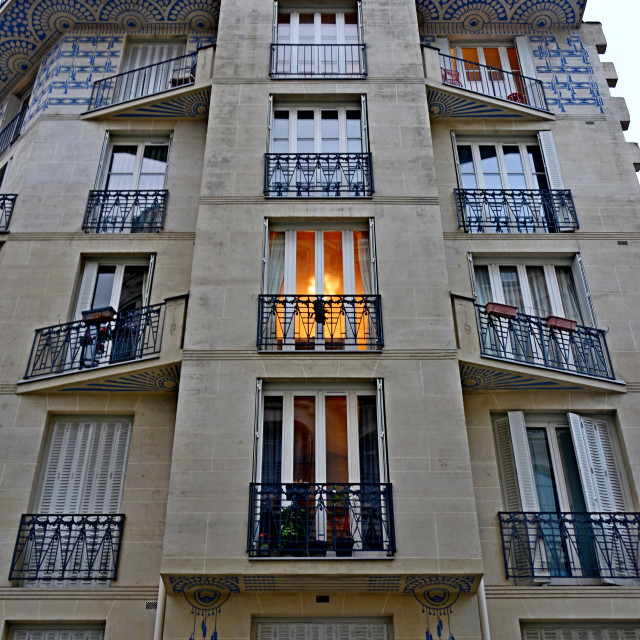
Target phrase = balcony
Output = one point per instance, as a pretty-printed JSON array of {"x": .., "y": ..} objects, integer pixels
[
  {"x": 86, "y": 345},
  {"x": 10, "y": 133},
  {"x": 125, "y": 211},
  {"x": 67, "y": 547},
  {"x": 318, "y": 61},
  {"x": 7, "y": 202},
  {"x": 493, "y": 82},
  {"x": 320, "y": 520},
  {"x": 541, "y": 546},
  {"x": 318, "y": 174},
  {"x": 515, "y": 210},
  {"x": 319, "y": 323},
  {"x": 145, "y": 81},
  {"x": 544, "y": 342}
]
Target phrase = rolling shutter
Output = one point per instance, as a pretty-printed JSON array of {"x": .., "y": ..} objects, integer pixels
[{"x": 322, "y": 631}]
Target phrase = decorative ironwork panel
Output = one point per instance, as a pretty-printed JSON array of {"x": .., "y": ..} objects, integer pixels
[
  {"x": 318, "y": 61},
  {"x": 321, "y": 323},
  {"x": 530, "y": 340},
  {"x": 7, "y": 202},
  {"x": 10, "y": 133},
  {"x": 492, "y": 81},
  {"x": 76, "y": 346},
  {"x": 515, "y": 210},
  {"x": 145, "y": 81},
  {"x": 318, "y": 519},
  {"x": 122, "y": 211},
  {"x": 67, "y": 547},
  {"x": 570, "y": 545},
  {"x": 318, "y": 174}
]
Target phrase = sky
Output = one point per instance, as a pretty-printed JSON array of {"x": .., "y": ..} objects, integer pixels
[{"x": 620, "y": 20}]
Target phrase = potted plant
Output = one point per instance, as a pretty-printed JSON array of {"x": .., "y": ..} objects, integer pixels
[
  {"x": 317, "y": 548},
  {"x": 292, "y": 530},
  {"x": 344, "y": 546}
]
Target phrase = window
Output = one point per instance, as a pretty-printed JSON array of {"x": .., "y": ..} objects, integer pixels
[
  {"x": 322, "y": 630},
  {"x": 75, "y": 530},
  {"x": 319, "y": 44},
  {"x": 320, "y": 287},
  {"x": 538, "y": 290},
  {"x": 581, "y": 631},
  {"x": 320, "y": 471},
  {"x": 34, "y": 632},
  {"x": 502, "y": 58},
  {"x": 3, "y": 175},
  {"x": 137, "y": 165},
  {"x": 562, "y": 468},
  {"x": 318, "y": 151}
]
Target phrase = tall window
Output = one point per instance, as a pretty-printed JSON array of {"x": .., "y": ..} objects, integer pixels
[{"x": 136, "y": 166}]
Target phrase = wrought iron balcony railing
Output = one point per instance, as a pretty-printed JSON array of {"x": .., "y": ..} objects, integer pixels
[
  {"x": 143, "y": 82},
  {"x": 67, "y": 547},
  {"x": 10, "y": 133},
  {"x": 320, "y": 519},
  {"x": 318, "y": 174},
  {"x": 125, "y": 211},
  {"x": 7, "y": 201},
  {"x": 532, "y": 341},
  {"x": 321, "y": 323},
  {"x": 76, "y": 346},
  {"x": 493, "y": 82},
  {"x": 570, "y": 545},
  {"x": 515, "y": 210},
  {"x": 318, "y": 61}
]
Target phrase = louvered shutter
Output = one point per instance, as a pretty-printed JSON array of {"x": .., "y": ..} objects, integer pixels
[
  {"x": 382, "y": 431},
  {"x": 87, "y": 288},
  {"x": 269, "y": 124},
  {"x": 372, "y": 255},
  {"x": 507, "y": 465},
  {"x": 443, "y": 45},
  {"x": 582, "y": 287},
  {"x": 456, "y": 158},
  {"x": 322, "y": 631},
  {"x": 149, "y": 280},
  {"x": 103, "y": 163},
  {"x": 360, "y": 23},
  {"x": 552, "y": 164},
  {"x": 274, "y": 32},
  {"x": 364, "y": 123},
  {"x": 522, "y": 459},
  {"x": 527, "y": 65},
  {"x": 57, "y": 634}
]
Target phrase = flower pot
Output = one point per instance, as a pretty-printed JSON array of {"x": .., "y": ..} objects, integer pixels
[
  {"x": 98, "y": 316},
  {"x": 264, "y": 545},
  {"x": 563, "y": 324},
  {"x": 317, "y": 548},
  {"x": 498, "y": 310},
  {"x": 344, "y": 547}
]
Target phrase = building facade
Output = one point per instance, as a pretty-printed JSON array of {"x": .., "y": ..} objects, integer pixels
[{"x": 248, "y": 391}]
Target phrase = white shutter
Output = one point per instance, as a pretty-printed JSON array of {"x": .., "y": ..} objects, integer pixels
[
  {"x": 57, "y": 634},
  {"x": 507, "y": 465},
  {"x": 265, "y": 254},
  {"x": 527, "y": 65},
  {"x": 274, "y": 33},
  {"x": 103, "y": 166},
  {"x": 257, "y": 449},
  {"x": 552, "y": 164},
  {"x": 522, "y": 459},
  {"x": 472, "y": 276},
  {"x": 166, "y": 168},
  {"x": 456, "y": 158},
  {"x": 372, "y": 256},
  {"x": 149, "y": 280},
  {"x": 334, "y": 630},
  {"x": 364, "y": 123},
  {"x": 443, "y": 45},
  {"x": 360, "y": 23},
  {"x": 582, "y": 287},
  {"x": 269, "y": 123},
  {"x": 382, "y": 431},
  {"x": 87, "y": 288}
]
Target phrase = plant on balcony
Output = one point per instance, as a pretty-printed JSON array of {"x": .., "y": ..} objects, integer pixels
[
  {"x": 501, "y": 310},
  {"x": 293, "y": 537}
]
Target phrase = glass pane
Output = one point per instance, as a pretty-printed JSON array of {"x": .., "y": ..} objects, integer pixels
[
  {"x": 570, "y": 471},
  {"x": 467, "y": 170},
  {"x": 483, "y": 284},
  {"x": 350, "y": 28},
  {"x": 490, "y": 167},
  {"x": 154, "y": 165},
  {"x": 569, "y": 294},
  {"x": 514, "y": 64},
  {"x": 123, "y": 162},
  {"x": 362, "y": 263},
  {"x": 333, "y": 265},
  {"x": 542, "y": 471},
  {"x": 104, "y": 286},
  {"x": 330, "y": 132},
  {"x": 536, "y": 163},
  {"x": 368, "y": 440},
  {"x": 304, "y": 439},
  {"x": 539, "y": 293},
  {"x": 272, "y": 439},
  {"x": 511, "y": 286},
  {"x": 132, "y": 287},
  {"x": 306, "y": 29},
  {"x": 284, "y": 28},
  {"x": 280, "y": 132},
  {"x": 354, "y": 132},
  {"x": 305, "y": 132},
  {"x": 328, "y": 29},
  {"x": 492, "y": 57},
  {"x": 306, "y": 263},
  {"x": 514, "y": 167},
  {"x": 337, "y": 443},
  {"x": 275, "y": 274}
]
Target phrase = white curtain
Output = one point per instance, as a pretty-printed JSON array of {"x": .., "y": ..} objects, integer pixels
[
  {"x": 539, "y": 292},
  {"x": 275, "y": 273}
]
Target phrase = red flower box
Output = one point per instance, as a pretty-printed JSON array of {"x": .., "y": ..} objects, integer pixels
[
  {"x": 501, "y": 310},
  {"x": 564, "y": 324}
]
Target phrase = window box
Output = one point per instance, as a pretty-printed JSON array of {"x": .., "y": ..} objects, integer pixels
[
  {"x": 501, "y": 310},
  {"x": 563, "y": 324},
  {"x": 98, "y": 316}
]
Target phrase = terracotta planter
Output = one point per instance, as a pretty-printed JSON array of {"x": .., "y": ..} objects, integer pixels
[
  {"x": 563, "y": 324},
  {"x": 99, "y": 316},
  {"x": 501, "y": 310}
]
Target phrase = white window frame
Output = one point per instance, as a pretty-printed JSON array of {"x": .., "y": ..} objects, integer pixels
[
  {"x": 611, "y": 630},
  {"x": 351, "y": 391},
  {"x": 294, "y": 25},
  {"x": 49, "y": 632},
  {"x": 316, "y": 629},
  {"x": 87, "y": 284},
  {"x": 456, "y": 48}
]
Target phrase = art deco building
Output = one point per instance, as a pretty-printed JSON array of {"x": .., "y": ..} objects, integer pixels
[{"x": 249, "y": 392}]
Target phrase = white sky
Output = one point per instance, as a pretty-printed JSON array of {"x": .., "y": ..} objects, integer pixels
[{"x": 620, "y": 20}]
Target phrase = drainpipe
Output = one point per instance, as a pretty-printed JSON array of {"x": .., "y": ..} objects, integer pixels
[
  {"x": 162, "y": 601},
  {"x": 484, "y": 614}
]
